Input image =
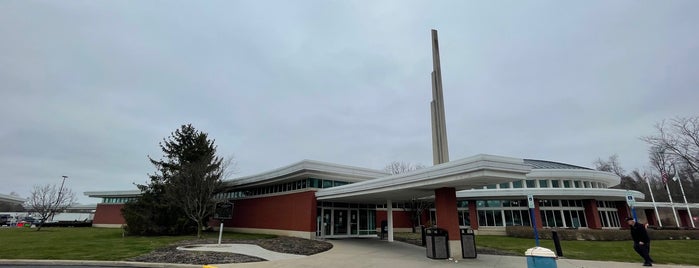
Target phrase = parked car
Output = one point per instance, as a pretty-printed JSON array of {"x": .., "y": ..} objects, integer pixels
[
  {"x": 5, "y": 219},
  {"x": 29, "y": 221}
]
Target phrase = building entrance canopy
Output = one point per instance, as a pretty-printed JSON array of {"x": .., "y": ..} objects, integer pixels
[{"x": 468, "y": 173}]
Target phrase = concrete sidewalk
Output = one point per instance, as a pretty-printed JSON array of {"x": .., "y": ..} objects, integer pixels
[{"x": 352, "y": 253}]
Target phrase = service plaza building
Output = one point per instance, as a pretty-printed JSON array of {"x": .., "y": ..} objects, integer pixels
[
  {"x": 312, "y": 199},
  {"x": 485, "y": 193}
]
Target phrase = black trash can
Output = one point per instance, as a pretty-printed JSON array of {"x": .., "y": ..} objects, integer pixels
[
  {"x": 468, "y": 243},
  {"x": 384, "y": 229},
  {"x": 437, "y": 243}
]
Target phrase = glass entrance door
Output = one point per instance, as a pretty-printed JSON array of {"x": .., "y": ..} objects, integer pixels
[
  {"x": 327, "y": 213},
  {"x": 340, "y": 222},
  {"x": 354, "y": 222}
]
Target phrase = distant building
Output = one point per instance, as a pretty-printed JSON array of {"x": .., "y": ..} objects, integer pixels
[{"x": 11, "y": 199}]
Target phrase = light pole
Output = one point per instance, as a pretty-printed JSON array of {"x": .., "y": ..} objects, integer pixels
[{"x": 58, "y": 199}]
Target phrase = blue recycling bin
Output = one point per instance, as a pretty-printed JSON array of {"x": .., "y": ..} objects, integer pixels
[{"x": 538, "y": 257}]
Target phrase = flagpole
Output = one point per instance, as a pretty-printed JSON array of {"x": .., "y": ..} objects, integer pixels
[
  {"x": 655, "y": 206},
  {"x": 677, "y": 178},
  {"x": 672, "y": 205}
]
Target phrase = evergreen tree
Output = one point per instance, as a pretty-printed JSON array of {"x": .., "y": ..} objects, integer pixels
[{"x": 183, "y": 186}]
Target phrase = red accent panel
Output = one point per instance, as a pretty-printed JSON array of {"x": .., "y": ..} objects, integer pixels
[
  {"x": 592, "y": 214},
  {"x": 108, "y": 214},
  {"x": 623, "y": 211},
  {"x": 537, "y": 214},
  {"x": 401, "y": 218},
  {"x": 650, "y": 217},
  {"x": 294, "y": 212},
  {"x": 473, "y": 214},
  {"x": 684, "y": 218},
  {"x": 447, "y": 213}
]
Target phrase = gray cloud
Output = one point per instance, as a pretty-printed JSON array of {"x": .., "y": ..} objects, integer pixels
[{"x": 89, "y": 89}]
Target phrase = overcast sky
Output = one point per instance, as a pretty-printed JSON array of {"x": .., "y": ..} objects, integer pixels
[{"x": 89, "y": 88}]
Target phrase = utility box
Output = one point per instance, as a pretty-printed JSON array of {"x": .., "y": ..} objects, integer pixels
[
  {"x": 468, "y": 244},
  {"x": 538, "y": 257},
  {"x": 437, "y": 243}
]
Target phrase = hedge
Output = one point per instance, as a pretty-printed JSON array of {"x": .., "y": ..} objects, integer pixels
[{"x": 599, "y": 234}]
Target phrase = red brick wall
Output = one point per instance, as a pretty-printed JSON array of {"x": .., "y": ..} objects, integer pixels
[
  {"x": 294, "y": 212},
  {"x": 108, "y": 214},
  {"x": 401, "y": 218}
]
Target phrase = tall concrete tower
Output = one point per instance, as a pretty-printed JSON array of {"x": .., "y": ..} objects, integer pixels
[{"x": 440, "y": 148}]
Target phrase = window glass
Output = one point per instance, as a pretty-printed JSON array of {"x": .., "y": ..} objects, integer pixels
[
  {"x": 517, "y": 184},
  {"x": 327, "y": 183},
  {"x": 578, "y": 184},
  {"x": 543, "y": 183},
  {"x": 567, "y": 184},
  {"x": 494, "y": 203},
  {"x": 505, "y": 185},
  {"x": 531, "y": 183},
  {"x": 555, "y": 184}
]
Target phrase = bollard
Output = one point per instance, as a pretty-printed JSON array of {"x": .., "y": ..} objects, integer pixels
[{"x": 557, "y": 243}]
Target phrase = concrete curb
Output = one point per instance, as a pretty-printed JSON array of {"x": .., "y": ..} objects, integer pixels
[{"x": 95, "y": 263}]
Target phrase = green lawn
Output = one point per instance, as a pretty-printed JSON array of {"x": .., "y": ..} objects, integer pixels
[
  {"x": 662, "y": 251},
  {"x": 86, "y": 243}
]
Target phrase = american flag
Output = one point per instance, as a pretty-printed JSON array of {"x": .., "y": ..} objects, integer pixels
[{"x": 664, "y": 176}]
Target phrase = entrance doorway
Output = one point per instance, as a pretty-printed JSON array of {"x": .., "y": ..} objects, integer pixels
[{"x": 346, "y": 220}]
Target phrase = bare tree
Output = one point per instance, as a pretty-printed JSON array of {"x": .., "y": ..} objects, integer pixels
[
  {"x": 398, "y": 167},
  {"x": 416, "y": 207},
  {"x": 679, "y": 139},
  {"x": 48, "y": 199},
  {"x": 610, "y": 165}
]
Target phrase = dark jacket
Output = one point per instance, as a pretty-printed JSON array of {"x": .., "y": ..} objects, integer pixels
[{"x": 639, "y": 233}]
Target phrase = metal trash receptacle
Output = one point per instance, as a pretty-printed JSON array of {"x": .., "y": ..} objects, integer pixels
[
  {"x": 384, "y": 229},
  {"x": 437, "y": 243},
  {"x": 468, "y": 243},
  {"x": 538, "y": 257}
]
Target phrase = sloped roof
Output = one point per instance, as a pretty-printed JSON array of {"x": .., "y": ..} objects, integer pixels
[{"x": 543, "y": 164}]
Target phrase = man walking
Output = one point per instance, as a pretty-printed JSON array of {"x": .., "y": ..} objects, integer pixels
[{"x": 641, "y": 241}]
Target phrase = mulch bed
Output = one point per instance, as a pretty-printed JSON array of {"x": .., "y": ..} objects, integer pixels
[{"x": 290, "y": 245}]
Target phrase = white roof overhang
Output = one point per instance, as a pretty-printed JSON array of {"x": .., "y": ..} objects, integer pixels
[
  {"x": 475, "y": 171},
  {"x": 132, "y": 193},
  {"x": 550, "y": 193},
  {"x": 306, "y": 169},
  {"x": 11, "y": 199}
]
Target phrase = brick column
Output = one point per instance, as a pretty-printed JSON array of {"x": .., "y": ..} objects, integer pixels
[
  {"x": 624, "y": 212},
  {"x": 650, "y": 217},
  {"x": 684, "y": 218},
  {"x": 592, "y": 214},
  {"x": 447, "y": 218},
  {"x": 473, "y": 214},
  {"x": 537, "y": 214}
]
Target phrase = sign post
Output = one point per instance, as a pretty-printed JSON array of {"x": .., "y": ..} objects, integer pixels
[
  {"x": 530, "y": 202},
  {"x": 631, "y": 202},
  {"x": 223, "y": 211}
]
